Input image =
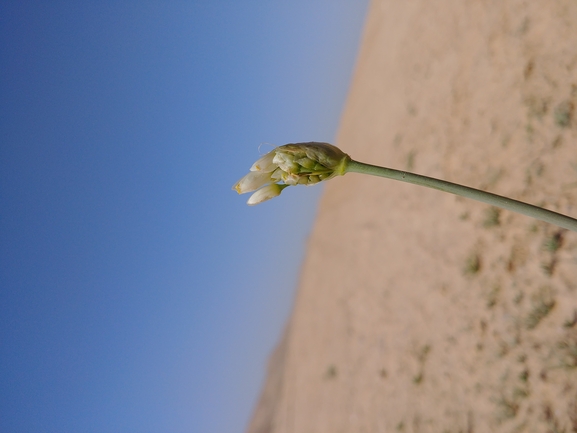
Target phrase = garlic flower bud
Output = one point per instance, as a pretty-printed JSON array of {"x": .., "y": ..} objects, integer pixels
[{"x": 292, "y": 164}]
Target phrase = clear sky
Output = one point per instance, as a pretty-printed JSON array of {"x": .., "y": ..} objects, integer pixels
[{"x": 138, "y": 292}]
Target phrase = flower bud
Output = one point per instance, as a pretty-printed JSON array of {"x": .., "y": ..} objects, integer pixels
[
  {"x": 292, "y": 164},
  {"x": 252, "y": 181},
  {"x": 265, "y": 193}
]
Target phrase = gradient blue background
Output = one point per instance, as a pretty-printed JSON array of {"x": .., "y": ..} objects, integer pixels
[{"x": 138, "y": 292}]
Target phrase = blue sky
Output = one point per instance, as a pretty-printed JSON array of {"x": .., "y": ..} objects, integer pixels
[{"x": 138, "y": 292}]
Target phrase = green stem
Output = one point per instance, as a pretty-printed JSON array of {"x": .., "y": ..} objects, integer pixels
[{"x": 464, "y": 191}]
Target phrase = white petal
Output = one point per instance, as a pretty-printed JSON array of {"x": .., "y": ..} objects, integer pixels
[
  {"x": 264, "y": 194},
  {"x": 265, "y": 163},
  {"x": 285, "y": 162},
  {"x": 277, "y": 175},
  {"x": 252, "y": 181},
  {"x": 290, "y": 179}
]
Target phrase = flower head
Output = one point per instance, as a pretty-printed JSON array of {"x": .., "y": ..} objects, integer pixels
[{"x": 292, "y": 164}]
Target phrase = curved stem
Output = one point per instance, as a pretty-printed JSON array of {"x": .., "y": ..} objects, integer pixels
[{"x": 464, "y": 191}]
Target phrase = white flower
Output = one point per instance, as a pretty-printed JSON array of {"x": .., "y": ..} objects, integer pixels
[
  {"x": 252, "y": 181},
  {"x": 265, "y": 193},
  {"x": 292, "y": 164},
  {"x": 265, "y": 163}
]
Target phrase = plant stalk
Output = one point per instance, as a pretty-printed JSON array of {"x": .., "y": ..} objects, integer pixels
[{"x": 464, "y": 191}]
